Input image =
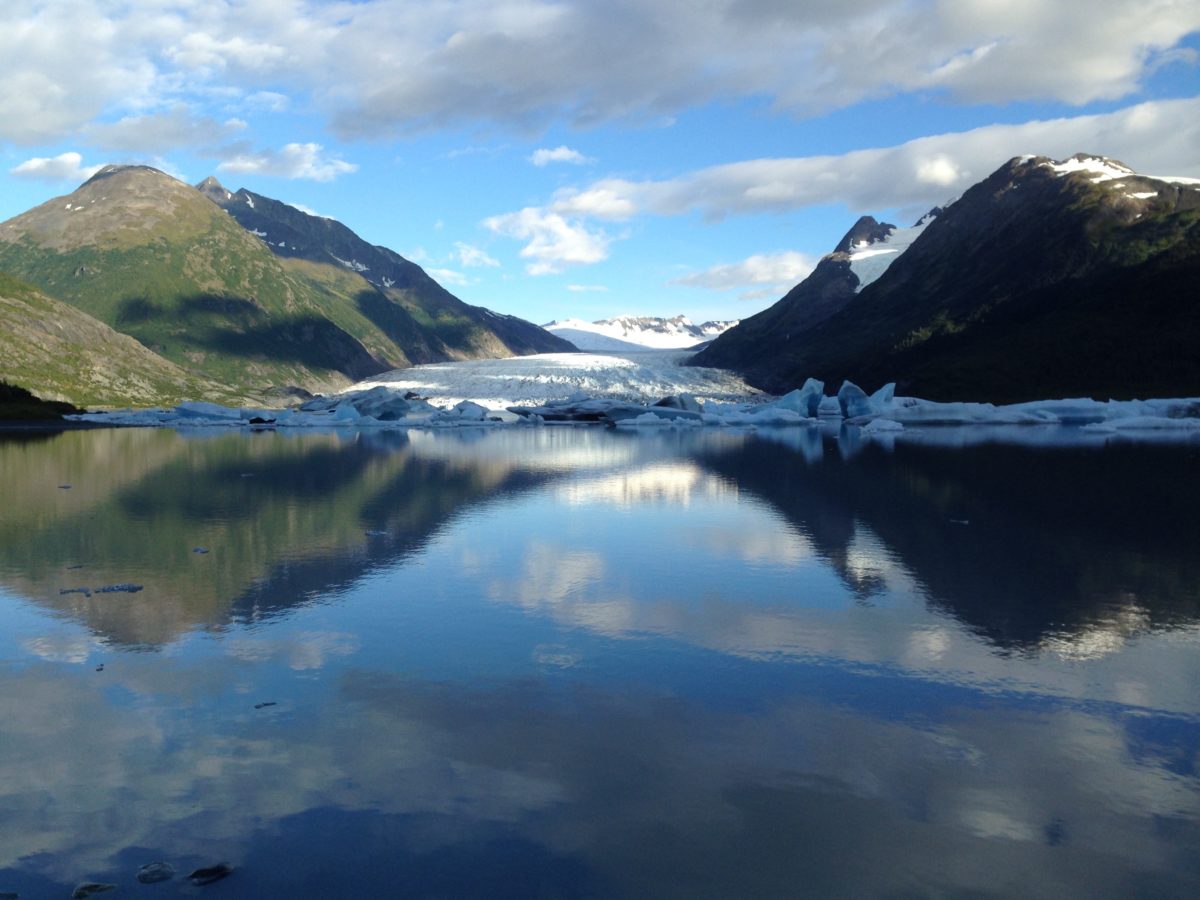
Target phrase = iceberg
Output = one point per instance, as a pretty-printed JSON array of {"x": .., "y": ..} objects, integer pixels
[{"x": 654, "y": 391}]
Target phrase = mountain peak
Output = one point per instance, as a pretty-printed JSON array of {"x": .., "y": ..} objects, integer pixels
[
  {"x": 114, "y": 169},
  {"x": 867, "y": 230},
  {"x": 214, "y": 190}
]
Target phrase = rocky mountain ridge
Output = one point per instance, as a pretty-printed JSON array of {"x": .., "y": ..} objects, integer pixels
[
  {"x": 157, "y": 260},
  {"x": 1047, "y": 278}
]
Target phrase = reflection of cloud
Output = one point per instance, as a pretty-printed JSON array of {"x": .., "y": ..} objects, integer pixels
[
  {"x": 571, "y": 586},
  {"x": 1098, "y": 639},
  {"x": 715, "y": 789},
  {"x": 69, "y": 648},
  {"x": 758, "y": 542},
  {"x": 676, "y": 483},
  {"x": 927, "y": 645},
  {"x": 304, "y": 650}
]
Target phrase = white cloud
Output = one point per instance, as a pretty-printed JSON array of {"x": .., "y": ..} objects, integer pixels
[
  {"x": 524, "y": 63},
  {"x": 470, "y": 256},
  {"x": 64, "y": 167},
  {"x": 543, "y": 156},
  {"x": 768, "y": 274},
  {"x": 554, "y": 242},
  {"x": 449, "y": 276},
  {"x": 159, "y": 132},
  {"x": 605, "y": 200},
  {"x": 587, "y": 288},
  {"x": 1154, "y": 138},
  {"x": 380, "y": 67},
  {"x": 292, "y": 161}
]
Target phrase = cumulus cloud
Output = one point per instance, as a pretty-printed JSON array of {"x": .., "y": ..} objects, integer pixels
[
  {"x": 605, "y": 200},
  {"x": 292, "y": 161},
  {"x": 766, "y": 274},
  {"x": 554, "y": 241},
  {"x": 449, "y": 276},
  {"x": 470, "y": 256},
  {"x": 160, "y": 132},
  {"x": 383, "y": 67},
  {"x": 1154, "y": 138},
  {"x": 543, "y": 156},
  {"x": 64, "y": 167},
  {"x": 526, "y": 63}
]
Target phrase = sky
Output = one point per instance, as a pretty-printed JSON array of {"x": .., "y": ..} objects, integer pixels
[{"x": 592, "y": 158}]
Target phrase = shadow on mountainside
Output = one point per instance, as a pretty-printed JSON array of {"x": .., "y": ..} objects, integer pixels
[{"x": 241, "y": 329}]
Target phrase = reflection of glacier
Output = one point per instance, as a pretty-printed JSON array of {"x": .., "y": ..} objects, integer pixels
[{"x": 677, "y": 483}]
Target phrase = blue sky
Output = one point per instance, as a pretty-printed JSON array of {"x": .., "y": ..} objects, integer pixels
[{"x": 585, "y": 158}]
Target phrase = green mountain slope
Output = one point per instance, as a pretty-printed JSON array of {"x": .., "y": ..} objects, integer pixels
[
  {"x": 427, "y": 320},
  {"x": 1044, "y": 279},
  {"x": 61, "y": 353},
  {"x": 155, "y": 259}
]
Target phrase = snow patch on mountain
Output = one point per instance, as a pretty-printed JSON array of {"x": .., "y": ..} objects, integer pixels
[
  {"x": 870, "y": 260},
  {"x": 1101, "y": 168},
  {"x": 629, "y": 333}
]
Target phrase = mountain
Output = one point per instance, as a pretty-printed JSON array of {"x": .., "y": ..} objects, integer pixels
[
  {"x": 1047, "y": 278},
  {"x": 860, "y": 257},
  {"x": 449, "y": 328},
  {"x": 61, "y": 353},
  {"x": 637, "y": 333},
  {"x": 156, "y": 259}
]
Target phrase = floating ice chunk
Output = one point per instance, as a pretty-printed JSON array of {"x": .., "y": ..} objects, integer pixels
[
  {"x": 680, "y": 401},
  {"x": 881, "y": 426},
  {"x": 1143, "y": 423},
  {"x": 197, "y": 409},
  {"x": 855, "y": 403},
  {"x": 805, "y": 400},
  {"x": 646, "y": 420}
]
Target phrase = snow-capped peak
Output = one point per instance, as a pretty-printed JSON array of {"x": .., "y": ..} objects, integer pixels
[
  {"x": 1101, "y": 168},
  {"x": 870, "y": 259},
  {"x": 637, "y": 332}
]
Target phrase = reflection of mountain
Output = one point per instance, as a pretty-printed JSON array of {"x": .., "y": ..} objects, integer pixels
[
  {"x": 282, "y": 519},
  {"x": 1022, "y": 545}
]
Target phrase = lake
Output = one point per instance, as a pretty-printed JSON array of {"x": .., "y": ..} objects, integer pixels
[{"x": 570, "y": 662}]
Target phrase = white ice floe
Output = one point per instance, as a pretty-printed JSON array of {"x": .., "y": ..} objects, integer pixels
[{"x": 646, "y": 390}]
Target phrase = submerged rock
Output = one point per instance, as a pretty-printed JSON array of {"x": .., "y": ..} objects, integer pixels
[
  {"x": 154, "y": 872},
  {"x": 87, "y": 888},
  {"x": 209, "y": 874}
]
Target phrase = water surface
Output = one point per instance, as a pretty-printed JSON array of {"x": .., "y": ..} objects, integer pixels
[{"x": 578, "y": 663}]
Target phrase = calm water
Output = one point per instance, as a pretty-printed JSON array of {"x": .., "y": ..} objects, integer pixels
[{"x": 574, "y": 663}]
